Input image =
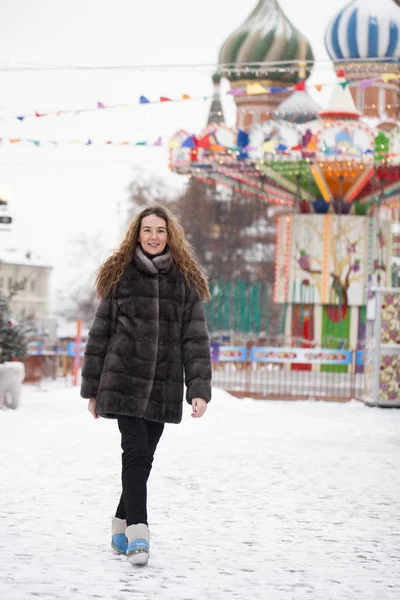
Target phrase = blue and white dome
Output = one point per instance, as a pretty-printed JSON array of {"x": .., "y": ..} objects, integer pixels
[{"x": 365, "y": 29}]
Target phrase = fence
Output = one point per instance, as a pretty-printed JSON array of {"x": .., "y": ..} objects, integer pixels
[
  {"x": 265, "y": 372},
  {"x": 273, "y": 373},
  {"x": 239, "y": 306}
]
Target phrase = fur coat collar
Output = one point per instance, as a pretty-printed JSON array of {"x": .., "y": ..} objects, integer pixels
[{"x": 159, "y": 264}]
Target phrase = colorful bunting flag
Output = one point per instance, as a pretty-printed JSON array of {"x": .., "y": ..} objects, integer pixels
[
  {"x": 300, "y": 86},
  {"x": 386, "y": 77},
  {"x": 366, "y": 83},
  {"x": 144, "y": 100},
  {"x": 217, "y": 148},
  {"x": 279, "y": 90},
  {"x": 255, "y": 88},
  {"x": 189, "y": 142},
  {"x": 237, "y": 92},
  {"x": 204, "y": 142}
]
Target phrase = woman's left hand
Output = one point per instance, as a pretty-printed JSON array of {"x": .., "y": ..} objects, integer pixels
[{"x": 199, "y": 407}]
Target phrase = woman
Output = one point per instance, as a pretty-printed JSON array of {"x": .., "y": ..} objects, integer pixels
[{"x": 148, "y": 331}]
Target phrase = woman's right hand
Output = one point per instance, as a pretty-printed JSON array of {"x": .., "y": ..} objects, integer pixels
[{"x": 92, "y": 408}]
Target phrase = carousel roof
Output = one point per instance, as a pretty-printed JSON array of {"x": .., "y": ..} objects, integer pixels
[
  {"x": 298, "y": 108},
  {"x": 267, "y": 35},
  {"x": 365, "y": 29}
]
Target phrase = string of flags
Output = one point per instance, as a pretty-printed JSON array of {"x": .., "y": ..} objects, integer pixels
[
  {"x": 250, "y": 89},
  {"x": 192, "y": 143},
  {"x": 87, "y": 142},
  {"x": 101, "y": 106}
]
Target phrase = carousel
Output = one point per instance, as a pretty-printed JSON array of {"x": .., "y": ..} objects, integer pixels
[{"x": 330, "y": 176}]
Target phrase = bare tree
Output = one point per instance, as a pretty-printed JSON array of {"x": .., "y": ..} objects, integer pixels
[
  {"x": 77, "y": 299},
  {"x": 146, "y": 191},
  {"x": 231, "y": 232}
]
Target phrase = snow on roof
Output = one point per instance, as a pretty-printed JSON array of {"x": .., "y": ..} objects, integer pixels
[
  {"x": 23, "y": 257},
  {"x": 299, "y": 107},
  {"x": 341, "y": 104}
]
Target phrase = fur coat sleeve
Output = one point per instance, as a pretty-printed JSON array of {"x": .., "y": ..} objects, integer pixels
[
  {"x": 196, "y": 349},
  {"x": 96, "y": 347}
]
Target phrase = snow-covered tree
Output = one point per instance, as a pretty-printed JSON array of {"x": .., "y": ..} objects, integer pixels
[{"x": 13, "y": 340}]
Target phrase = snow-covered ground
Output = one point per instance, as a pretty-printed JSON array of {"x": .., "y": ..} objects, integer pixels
[{"x": 257, "y": 500}]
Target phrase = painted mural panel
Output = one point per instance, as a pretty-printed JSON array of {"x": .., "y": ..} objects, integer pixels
[
  {"x": 328, "y": 261},
  {"x": 382, "y": 367},
  {"x": 390, "y": 319},
  {"x": 347, "y": 251},
  {"x": 389, "y": 385},
  {"x": 324, "y": 259},
  {"x": 306, "y": 269}
]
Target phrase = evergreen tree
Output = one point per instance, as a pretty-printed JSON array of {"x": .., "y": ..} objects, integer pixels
[{"x": 13, "y": 344}]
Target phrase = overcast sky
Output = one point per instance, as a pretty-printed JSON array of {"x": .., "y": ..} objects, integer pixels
[{"x": 56, "y": 193}]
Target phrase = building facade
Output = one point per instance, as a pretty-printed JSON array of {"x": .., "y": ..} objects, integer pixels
[{"x": 25, "y": 277}]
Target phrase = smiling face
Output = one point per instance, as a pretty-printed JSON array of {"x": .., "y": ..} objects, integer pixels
[{"x": 153, "y": 234}]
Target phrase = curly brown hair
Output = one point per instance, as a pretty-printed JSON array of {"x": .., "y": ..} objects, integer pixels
[{"x": 182, "y": 254}]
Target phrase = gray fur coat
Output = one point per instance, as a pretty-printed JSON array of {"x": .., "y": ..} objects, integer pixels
[{"x": 143, "y": 339}]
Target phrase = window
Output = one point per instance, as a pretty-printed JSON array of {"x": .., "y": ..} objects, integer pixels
[
  {"x": 1, "y": 282},
  {"x": 10, "y": 283},
  {"x": 33, "y": 285}
]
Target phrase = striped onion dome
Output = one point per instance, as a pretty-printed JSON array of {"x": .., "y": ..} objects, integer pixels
[
  {"x": 365, "y": 29},
  {"x": 267, "y": 35}
]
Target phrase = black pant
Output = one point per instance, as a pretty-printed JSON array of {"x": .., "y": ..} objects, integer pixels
[{"x": 139, "y": 439}]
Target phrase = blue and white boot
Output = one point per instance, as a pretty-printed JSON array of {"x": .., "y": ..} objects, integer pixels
[
  {"x": 138, "y": 544},
  {"x": 119, "y": 543}
]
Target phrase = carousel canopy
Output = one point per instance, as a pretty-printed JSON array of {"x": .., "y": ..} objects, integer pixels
[
  {"x": 365, "y": 29},
  {"x": 267, "y": 35}
]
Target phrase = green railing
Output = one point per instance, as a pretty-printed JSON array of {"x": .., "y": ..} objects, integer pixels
[{"x": 238, "y": 306}]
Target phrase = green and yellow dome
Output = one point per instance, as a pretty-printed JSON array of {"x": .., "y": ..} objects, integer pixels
[{"x": 267, "y": 36}]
